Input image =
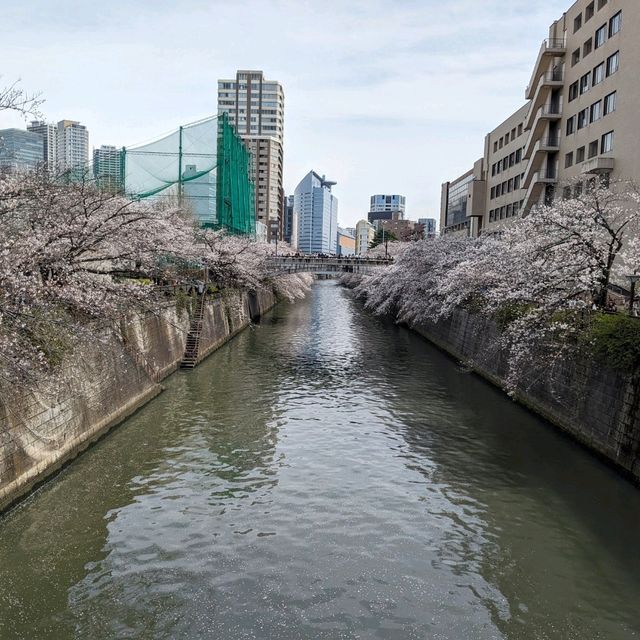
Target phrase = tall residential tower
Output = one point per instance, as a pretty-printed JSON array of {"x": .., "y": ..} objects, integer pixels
[
  {"x": 72, "y": 146},
  {"x": 256, "y": 110}
]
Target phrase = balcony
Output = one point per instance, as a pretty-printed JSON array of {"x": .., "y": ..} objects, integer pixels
[
  {"x": 551, "y": 48},
  {"x": 599, "y": 165},
  {"x": 541, "y": 149},
  {"x": 536, "y": 121},
  {"x": 541, "y": 145},
  {"x": 538, "y": 182},
  {"x": 539, "y": 94}
]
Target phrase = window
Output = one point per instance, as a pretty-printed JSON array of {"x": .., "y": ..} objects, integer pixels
[
  {"x": 587, "y": 47},
  {"x": 615, "y": 23},
  {"x": 583, "y": 119},
  {"x": 568, "y": 160},
  {"x": 585, "y": 83},
  {"x": 607, "y": 142},
  {"x": 613, "y": 63},
  {"x": 593, "y": 149},
  {"x": 501, "y": 143},
  {"x": 571, "y": 125},
  {"x": 580, "y": 155},
  {"x": 518, "y": 155},
  {"x": 520, "y": 130},
  {"x": 512, "y": 159},
  {"x": 510, "y": 186},
  {"x": 601, "y": 4},
  {"x": 495, "y": 146},
  {"x": 596, "y": 111},
  {"x": 598, "y": 74},
  {"x": 516, "y": 183},
  {"x": 589, "y": 12},
  {"x": 575, "y": 57},
  {"x": 513, "y": 134},
  {"x": 573, "y": 91},
  {"x": 601, "y": 36},
  {"x": 493, "y": 193},
  {"x": 610, "y": 103},
  {"x": 516, "y": 208},
  {"x": 498, "y": 190},
  {"x": 577, "y": 23}
]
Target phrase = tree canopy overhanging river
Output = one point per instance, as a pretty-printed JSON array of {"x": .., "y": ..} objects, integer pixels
[{"x": 326, "y": 475}]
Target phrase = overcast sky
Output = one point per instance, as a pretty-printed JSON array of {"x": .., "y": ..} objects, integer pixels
[{"x": 383, "y": 96}]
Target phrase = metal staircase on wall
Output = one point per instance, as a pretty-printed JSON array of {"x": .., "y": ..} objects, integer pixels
[{"x": 192, "y": 347}]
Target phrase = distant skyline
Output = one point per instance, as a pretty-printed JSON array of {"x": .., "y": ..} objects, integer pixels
[{"x": 382, "y": 96}]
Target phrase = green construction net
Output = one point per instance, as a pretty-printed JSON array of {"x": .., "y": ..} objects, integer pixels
[{"x": 204, "y": 165}]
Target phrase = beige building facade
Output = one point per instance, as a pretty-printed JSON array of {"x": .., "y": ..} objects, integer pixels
[
  {"x": 364, "y": 236},
  {"x": 256, "y": 111},
  {"x": 579, "y": 122}
]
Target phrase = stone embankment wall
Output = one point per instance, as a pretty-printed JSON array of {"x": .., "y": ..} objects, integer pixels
[
  {"x": 597, "y": 406},
  {"x": 103, "y": 383}
]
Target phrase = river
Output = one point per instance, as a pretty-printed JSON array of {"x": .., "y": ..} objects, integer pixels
[{"x": 326, "y": 475}]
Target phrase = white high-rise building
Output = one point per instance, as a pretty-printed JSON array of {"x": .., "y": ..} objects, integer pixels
[
  {"x": 73, "y": 145},
  {"x": 256, "y": 111},
  {"x": 49, "y": 133},
  {"x": 316, "y": 211}
]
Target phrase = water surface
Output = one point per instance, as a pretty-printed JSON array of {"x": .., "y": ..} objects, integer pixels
[{"x": 326, "y": 475}]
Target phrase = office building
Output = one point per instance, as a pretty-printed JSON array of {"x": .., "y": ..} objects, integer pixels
[
  {"x": 107, "y": 168},
  {"x": 20, "y": 150},
  {"x": 256, "y": 111},
  {"x": 49, "y": 133},
  {"x": 72, "y": 146},
  {"x": 316, "y": 209},
  {"x": 386, "y": 207},
  {"x": 579, "y": 122},
  {"x": 429, "y": 224},
  {"x": 290, "y": 223},
  {"x": 365, "y": 233}
]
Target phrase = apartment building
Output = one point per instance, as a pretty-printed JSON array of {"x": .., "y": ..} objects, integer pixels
[
  {"x": 108, "y": 169},
  {"x": 364, "y": 237},
  {"x": 72, "y": 152},
  {"x": 256, "y": 111},
  {"x": 49, "y": 133},
  {"x": 579, "y": 122}
]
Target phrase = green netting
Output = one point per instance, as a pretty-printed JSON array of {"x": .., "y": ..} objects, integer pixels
[
  {"x": 235, "y": 191},
  {"x": 204, "y": 165}
]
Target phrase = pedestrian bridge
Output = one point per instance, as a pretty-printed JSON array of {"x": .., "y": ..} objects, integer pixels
[{"x": 326, "y": 265}]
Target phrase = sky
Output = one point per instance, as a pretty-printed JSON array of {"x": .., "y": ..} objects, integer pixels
[{"x": 382, "y": 96}]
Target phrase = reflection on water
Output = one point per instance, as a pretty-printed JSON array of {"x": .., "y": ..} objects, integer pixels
[{"x": 326, "y": 475}]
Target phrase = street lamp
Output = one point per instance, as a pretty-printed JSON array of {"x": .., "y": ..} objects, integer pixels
[{"x": 633, "y": 279}]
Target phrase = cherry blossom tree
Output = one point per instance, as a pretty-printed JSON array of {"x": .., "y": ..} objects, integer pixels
[
  {"x": 14, "y": 98},
  {"x": 539, "y": 277}
]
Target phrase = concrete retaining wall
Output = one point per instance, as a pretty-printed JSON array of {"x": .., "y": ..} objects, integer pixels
[
  {"x": 597, "y": 406},
  {"x": 102, "y": 384}
]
